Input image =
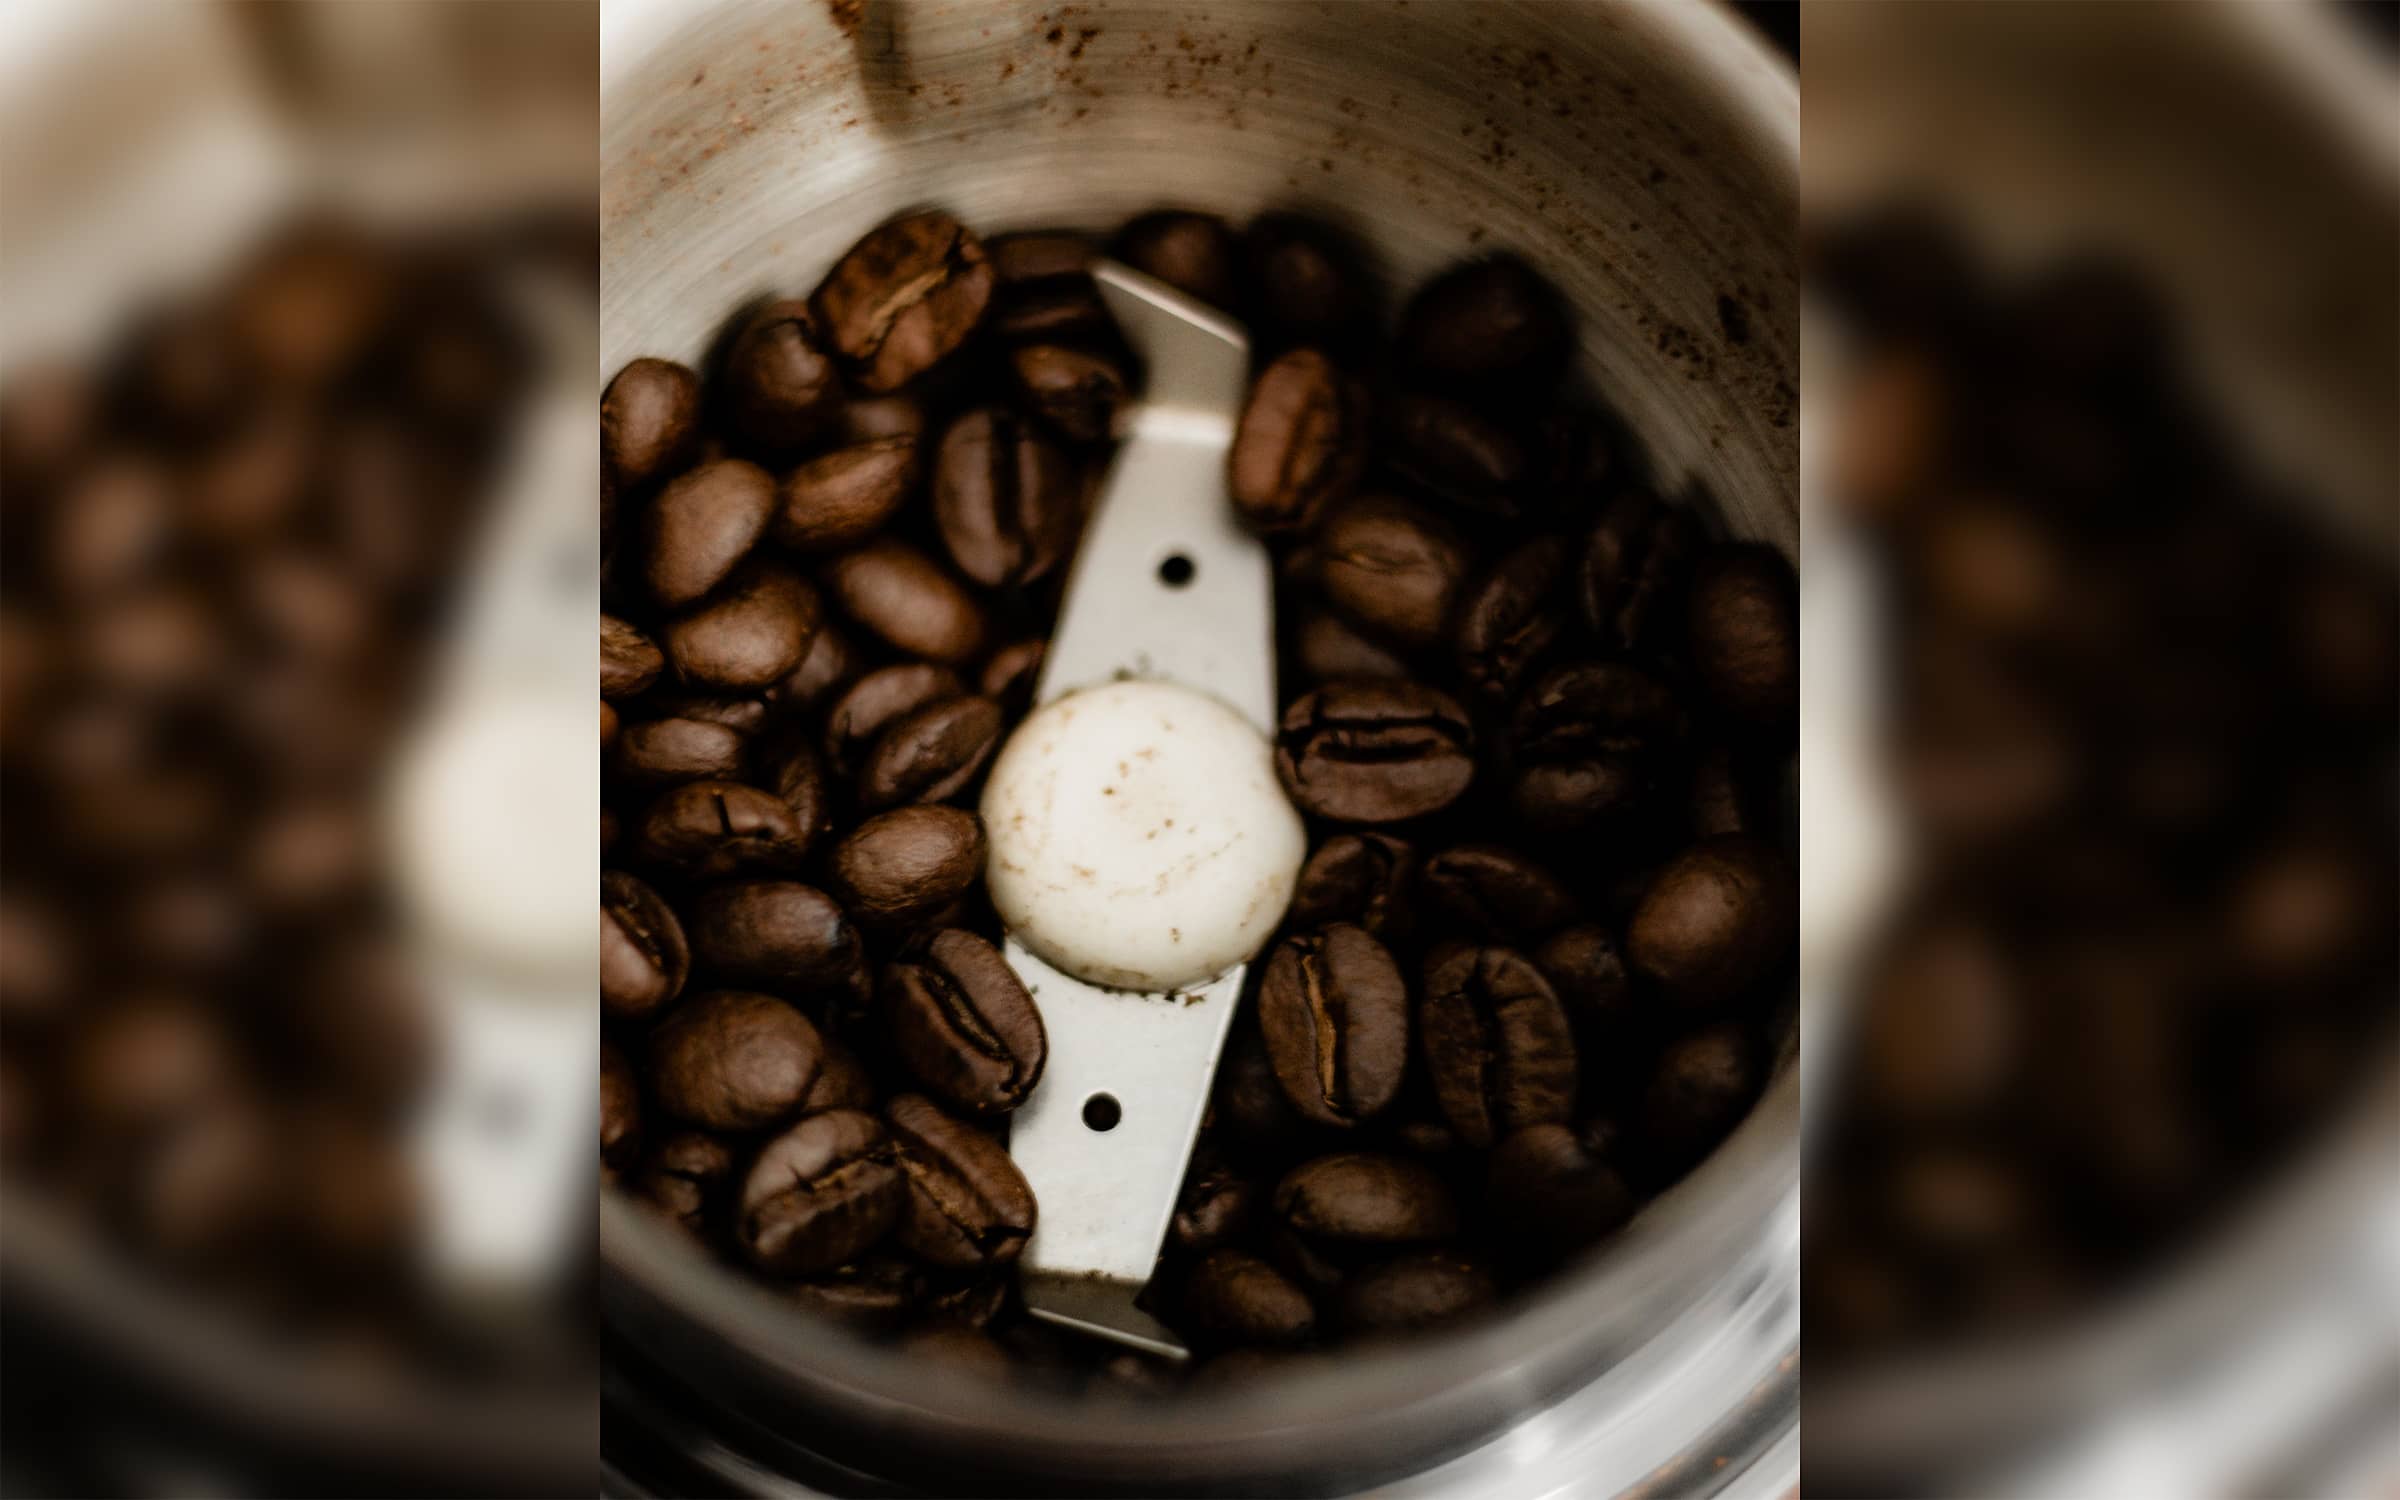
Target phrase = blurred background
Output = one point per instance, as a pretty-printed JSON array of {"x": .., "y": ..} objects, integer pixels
[
  {"x": 297, "y": 362},
  {"x": 2099, "y": 532}
]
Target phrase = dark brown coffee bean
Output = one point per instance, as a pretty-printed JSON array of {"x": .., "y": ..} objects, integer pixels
[
  {"x": 901, "y": 299},
  {"x": 1485, "y": 322},
  {"x": 1052, "y": 312},
  {"x": 1305, "y": 284},
  {"x": 874, "y": 419},
  {"x": 790, "y": 769},
  {"x": 901, "y": 867},
  {"x": 1334, "y": 1011},
  {"x": 831, "y": 664},
  {"x": 1005, "y": 499},
  {"x": 932, "y": 754},
  {"x": 1011, "y": 675},
  {"x": 873, "y": 1294},
  {"x": 1247, "y": 1103},
  {"x": 1510, "y": 616},
  {"x": 839, "y": 499},
  {"x": 1497, "y": 1044},
  {"x": 1361, "y": 1200},
  {"x": 686, "y": 1176},
  {"x": 1392, "y": 567},
  {"x": 1703, "y": 1086},
  {"x": 1191, "y": 252},
  {"x": 1722, "y": 915},
  {"x": 661, "y": 752},
  {"x": 964, "y": 1025},
  {"x": 968, "y": 1205},
  {"x": 1375, "y": 752},
  {"x": 775, "y": 932},
  {"x": 1039, "y": 255},
  {"x": 1413, "y": 1293},
  {"x": 780, "y": 385},
  {"x": 741, "y": 713},
  {"x": 1745, "y": 633},
  {"x": 876, "y": 702},
  {"x": 1300, "y": 443},
  {"x": 1457, "y": 453},
  {"x": 1329, "y": 648},
  {"x": 704, "y": 521},
  {"x": 820, "y": 1195},
  {"x": 610, "y": 728},
  {"x": 843, "y": 1082},
  {"x": 1214, "y": 1208},
  {"x": 1493, "y": 894},
  {"x": 643, "y": 958},
  {"x": 1234, "y": 1298},
  {"x": 1588, "y": 742},
  {"x": 906, "y": 600},
  {"x": 1635, "y": 568},
  {"x": 703, "y": 830},
  {"x": 620, "y": 1108},
  {"x": 753, "y": 631},
  {"x": 732, "y": 1060},
  {"x": 648, "y": 418},
  {"x": 1366, "y": 878},
  {"x": 1586, "y": 966},
  {"x": 1726, "y": 797},
  {"x": 1077, "y": 391},
  {"x": 628, "y": 660},
  {"x": 1552, "y": 1193}
]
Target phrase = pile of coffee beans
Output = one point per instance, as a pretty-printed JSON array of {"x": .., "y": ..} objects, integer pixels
[{"x": 1539, "y": 721}]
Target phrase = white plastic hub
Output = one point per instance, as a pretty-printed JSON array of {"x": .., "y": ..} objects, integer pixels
[{"x": 1139, "y": 837}]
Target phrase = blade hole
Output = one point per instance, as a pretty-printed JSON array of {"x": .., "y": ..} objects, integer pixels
[
  {"x": 1176, "y": 571},
  {"x": 1101, "y": 1112}
]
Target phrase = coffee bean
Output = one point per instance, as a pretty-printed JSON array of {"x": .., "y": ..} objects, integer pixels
[
  {"x": 873, "y": 1294},
  {"x": 661, "y": 752},
  {"x": 743, "y": 714},
  {"x": 1214, "y": 1208},
  {"x": 1299, "y": 445},
  {"x": 780, "y": 385},
  {"x": 643, "y": 958},
  {"x": 1553, "y": 1193},
  {"x": 839, "y": 499},
  {"x": 1457, "y": 453},
  {"x": 875, "y": 419},
  {"x": 1510, "y": 617},
  {"x": 704, "y": 522},
  {"x": 1077, "y": 391},
  {"x": 1587, "y": 743},
  {"x": 1334, "y": 1011},
  {"x": 876, "y": 702},
  {"x": 1365, "y": 878},
  {"x": 1725, "y": 797},
  {"x": 1484, "y": 323},
  {"x": 1304, "y": 283},
  {"x": 1234, "y": 1298},
  {"x": 790, "y": 769},
  {"x": 620, "y": 1108},
  {"x": 1248, "y": 1103},
  {"x": 628, "y": 660},
  {"x": 832, "y": 662},
  {"x": 901, "y": 867},
  {"x": 964, "y": 1025},
  {"x": 968, "y": 1205},
  {"x": 648, "y": 420},
  {"x": 755, "y": 629},
  {"x": 1704, "y": 1084},
  {"x": 774, "y": 932},
  {"x": 1494, "y": 894},
  {"x": 610, "y": 728},
  {"x": 1720, "y": 917},
  {"x": 1010, "y": 676},
  {"x": 821, "y": 1194},
  {"x": 1191, "y": 252},
  {"x": 1064, "y": 312},
  {"x": 1745, "y": 633},
  {"x": 1586, "y": 966},
  {"x": 930, "y": 755},
  {"x": 1392, "y": 567},
  {"x": 901, "y": 299},
  {"x": 704, "y": 830},
  {"x": 1374, "y": 752},
  {"x": 905, "y": 600},
  {"x": 732, "y": 1060},
  {"x": 1039, "y": 255},
  {"x": 1635, "y": 568},
  {"x": 1329, "y": 648},
  {"x": 1004, "y": 497},
  {"x": 1413, "y": 1293},
  {"x": 1364, "y": 1200},
  {"x": 685, "y": 1177},
  {"x": 1496, "y": 1043}
]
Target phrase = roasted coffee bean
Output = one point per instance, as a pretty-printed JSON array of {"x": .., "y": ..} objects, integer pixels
[
  {"x": 1005, "y": 498},
  {"x": 843, "y": 1081},
  {"x": 901, "y": 867},
  {"x": 873, "y": 1294},
  {"x": 1375, "y": 752},
  {"x": 832, "y": 662},
  {"x": 610, "y": 727},
  {"x": 1052, "y": 312},
  {"x": 964, "y": 1025},
  {"x": 930, "y": 755},
  {"x": 1366, "y": 878},
  {"x": 1510, "y": 616},
  {"x": 973, "y": 1301},
  {"x": 1412, "y": 1293},
  {"x": 791, "y": 770},
  {"x": 732, "y": 1060},
  {"x": 1587, "y": 743},
  {"x": 1304, "y": 283},
  {"x": 1493, "y": 894},
  {"x": 875, "y": 419},
  {"x": 875, "y": 703},
  {"x": 649, "y": 418},
  {"x": 780, "y": 384},
  {"x": 1334, "y": 1011},
  {"x": 1745, "y": 633},
  {"x": 1299, "y": 445},
  {"x": 661, "y": 752},
  {"x": 1247, "y": 1103},
  {"x": 1635, "y": 569},
  {"x": 1497, "y": 1044},
  {"x": 1484, "y": 323},
  {"x": 1389, "y": 566},
  {"x": 1585, "y": 964},
  {"x": 685, "y": 1177},
  {"x": 643, "y": 958},
  {"x": 901, "y": 299},
  {"x": 743, "y": 714},
  {"x": 1703, "y": 1085},
  {"x": 774, "y": 932},
  {"x": 628, "y": 660},
  {"x": 1553, "y": 1192},
  {"x": 1329, "y": 648},
  {"x": 754, "y": 630},
  {"x": 1457, "y": 453},
  {"x": 1725, "y": 797},
  {"x": 907, "y": 601},
  {"x": 821, "y": 1194},
  {"x": 1191, "y": 252},
  {"x": 839, "y": 499},
  {"x": 1215, "y": 1207},
  {"x": 704, "y": 830},
  {"x": 1360, "y": 1200},
  {"x": 704, "y": 522},
  {"x": 1039, "y": 255},
  {"x": 1234, "y": 1298},
  {"x": 1077, "y": 391},
  {"x": 1012, "y": 673},
  {"x": 1720, "y": 917},
  {"x": 620, "y": 1108},
  {"x": 968, "y": 1205}
]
